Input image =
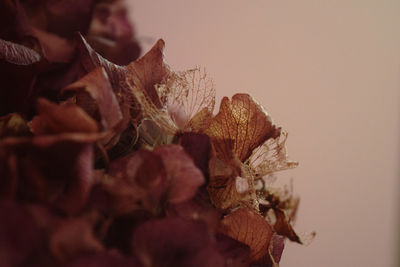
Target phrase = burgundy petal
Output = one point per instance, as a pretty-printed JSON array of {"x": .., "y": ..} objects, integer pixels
[
  {"x": 19, "y": 235},
  {"x": 97, "y": 85},
  {"x": 169, "y": 242},
  {"x": 184, "y": 177},
  {"x": 53, "y": 169}
]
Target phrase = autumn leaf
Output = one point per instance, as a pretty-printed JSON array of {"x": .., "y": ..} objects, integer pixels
[{"x": 250, "y": 228}]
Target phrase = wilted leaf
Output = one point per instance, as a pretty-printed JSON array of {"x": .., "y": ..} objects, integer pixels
[
  {"x": 97, "y": 85},
  {"x": 184, "y": 177},
  {"x": 240, "y": 126},
  {"x": 67, "y": 118},
  {"x": 249, "y": 228}
]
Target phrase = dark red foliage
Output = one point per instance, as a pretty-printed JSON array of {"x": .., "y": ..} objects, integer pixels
[
  {"x": 97, "y": 170},
  {"x": 52, "y": 169}
]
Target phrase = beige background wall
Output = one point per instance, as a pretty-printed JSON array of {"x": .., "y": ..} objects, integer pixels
[{"x": 329, "y": 73}]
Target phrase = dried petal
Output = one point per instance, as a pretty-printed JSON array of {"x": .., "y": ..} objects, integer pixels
[
  {"x": 91, "y": 60},
  {"x": 271, "y": 157},
  {"x": 283, "y": 226},
  {"x": 146, "y": 72},
  {"x": 198, "y": 146},
  {"x": 67, "y": 118},
  {"x": 19, "y": 235},
  {"x": 72, "y": 238},
  {"x": 236, "y": 254},
  {"x": 184, "y": 177},
  {"x": 275, "y": 250},
  {"x": 18, "y": 54},
  {"x": 240, "y": 126},
  {"x": 190, "y": 99},
  {"x": 173, "y": 242},
  {"x": 139, "y": 182},
  {"x": 223, "y": 187},
  {"x": 249, "y": 228},
  {"x": 97, "y": 85},
  {"x": 53, "y": 169},
  {"x": 54, "y": 48}
]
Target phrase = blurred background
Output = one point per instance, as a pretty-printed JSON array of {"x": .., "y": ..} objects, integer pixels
[{"x": 328, "y": 72}]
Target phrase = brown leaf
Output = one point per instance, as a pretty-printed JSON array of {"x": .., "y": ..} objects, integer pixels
[
  {"x": 66, "y": 118},
  {"x": 240, "y": 126},
  {"x": 97, "y": 85},
  {"x": 249, "y": 228}
]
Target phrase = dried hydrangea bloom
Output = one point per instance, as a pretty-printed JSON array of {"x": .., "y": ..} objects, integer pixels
[{"x": 182, "y": 101}]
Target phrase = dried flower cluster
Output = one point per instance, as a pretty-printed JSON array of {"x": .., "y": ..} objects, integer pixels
[{"x": 109, "y": 165}]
